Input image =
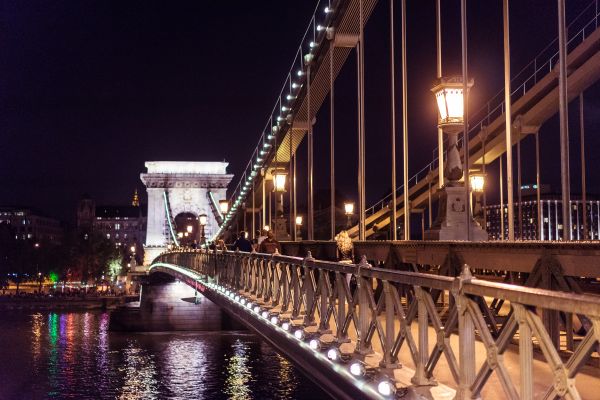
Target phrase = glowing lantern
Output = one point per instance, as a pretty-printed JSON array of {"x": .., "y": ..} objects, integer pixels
[{"x": 449, "y": 96}]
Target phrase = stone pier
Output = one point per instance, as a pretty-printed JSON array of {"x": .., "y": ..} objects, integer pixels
[{"x": 170, "y": 305}]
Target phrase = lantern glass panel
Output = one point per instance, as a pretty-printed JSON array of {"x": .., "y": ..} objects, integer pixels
[
  {"x": 477, "y": 183},
  {"x": 349, "y": 208},
  {"x": 224, "y": 206},
  {"x": 279, "y": 181},
  {"x": 454, "y": 102}
]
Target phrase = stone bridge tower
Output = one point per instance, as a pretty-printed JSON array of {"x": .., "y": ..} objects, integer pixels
[{"x": 176, "y": 187}]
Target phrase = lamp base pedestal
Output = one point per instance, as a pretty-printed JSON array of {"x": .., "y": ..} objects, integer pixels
[
  {"x": 280, "y": 230},
  {"x": 451, "y": 222}
]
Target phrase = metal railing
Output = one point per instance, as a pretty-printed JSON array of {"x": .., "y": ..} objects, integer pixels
[
  {"x": 542, "y": 65},
  {"x": 375, "y": 310}
]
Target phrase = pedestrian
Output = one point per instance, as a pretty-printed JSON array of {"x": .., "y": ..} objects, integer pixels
[
  {"x": 242, "y": 244},
  {"x": 263, "y": 235},
  {"x": 269, "y": 245}
]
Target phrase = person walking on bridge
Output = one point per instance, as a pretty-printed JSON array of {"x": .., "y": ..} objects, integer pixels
[
  {"x": 242, "y": 244},
  {"x": 269, "y": 245}
]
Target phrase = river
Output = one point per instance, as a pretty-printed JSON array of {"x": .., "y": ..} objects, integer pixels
[{"x": 72, "y": 355}]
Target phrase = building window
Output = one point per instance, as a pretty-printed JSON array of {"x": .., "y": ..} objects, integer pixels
[
  {"x": 108, "y": 235},
  {"x": 117, "y": 227}
]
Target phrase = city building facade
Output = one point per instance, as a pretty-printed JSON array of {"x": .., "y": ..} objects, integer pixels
[
  {"x": 28, "y": 224},
  {"x": 125, "y": 226},
  {"x": 551, "y": 226}
]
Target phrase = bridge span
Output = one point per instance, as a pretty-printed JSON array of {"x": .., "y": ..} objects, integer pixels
[{"x": 365, "y": 332}]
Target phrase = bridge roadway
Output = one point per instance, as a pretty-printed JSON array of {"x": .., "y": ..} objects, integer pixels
[{"x": 403, "y": 327}]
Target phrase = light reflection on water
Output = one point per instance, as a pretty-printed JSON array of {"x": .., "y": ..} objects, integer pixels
[
  {"x": 238, "y": 372},
  {"x": 73, "y": 355}
]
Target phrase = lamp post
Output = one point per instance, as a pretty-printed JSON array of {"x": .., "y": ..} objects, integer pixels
[
  {"x": 224, "y": 206},
  {"x": 451, "y": 223},
  {"x": 477, "y": 188},
  {"x": 280, "y": 228},
  {"x": 348, "y": 210},
  {"x": 202, "y": 219},
  {"x": 299, "y": 227}
]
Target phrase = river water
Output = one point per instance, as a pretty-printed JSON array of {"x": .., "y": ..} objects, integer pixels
[{"x": 72, "y": 355}]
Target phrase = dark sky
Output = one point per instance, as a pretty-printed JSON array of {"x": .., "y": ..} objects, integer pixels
[{"x": 89, "y": 90}]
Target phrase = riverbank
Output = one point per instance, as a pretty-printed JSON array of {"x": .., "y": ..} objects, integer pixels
[{"x": 74, "y": 303}]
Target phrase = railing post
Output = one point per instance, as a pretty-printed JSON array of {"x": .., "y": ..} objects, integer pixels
[
  {"x": 341, "y": 336},
  {"x": 364, "y": 311},
  {"x": 285, "y": 294},
  {"x": 389, "y": 361},
  {"x": 309, "y": 292},
  {"x": 420, "y": 377},
  {"x": 323, "y": 302},
  {"x": 525, "y": 353},
  {"x": 466, "y": 338}
]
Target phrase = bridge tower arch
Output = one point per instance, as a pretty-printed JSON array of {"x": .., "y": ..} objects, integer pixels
[{"x": 177, "y": 187}]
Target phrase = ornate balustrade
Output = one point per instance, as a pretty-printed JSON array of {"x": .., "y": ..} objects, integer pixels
[{"x": 381, "y": 313}]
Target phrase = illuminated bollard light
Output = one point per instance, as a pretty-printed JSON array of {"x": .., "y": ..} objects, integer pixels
[
  {"x": 243, "y": 301},
  {"x": 299, "y": 334},
  {"x": 314, "y": 344},
  {"x": 357, "y": 368},
  {"x": 237, "y": 297},
  {"x": 386, "y": 387},
  {"x": 265, "y": 314},
  {"x": 334, "y": 354},
  {"x": 274, "y": 320},
  {"x": 257, "y": 309},
  {"x": 285, "y": 326}
]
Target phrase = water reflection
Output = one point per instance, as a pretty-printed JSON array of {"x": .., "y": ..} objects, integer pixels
[
  {"x": 140, "y": 372},
  {"x": 238, "y": 373},
  {"x": 185, "y": 367},
  {"x": 37, "y": 323},
  {"x": 74, "y": 356}
]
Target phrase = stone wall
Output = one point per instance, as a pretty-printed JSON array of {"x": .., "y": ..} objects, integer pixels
[{"x": 170, "y": 306}]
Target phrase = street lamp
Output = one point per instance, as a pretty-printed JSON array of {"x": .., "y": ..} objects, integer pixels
[
  {"x": 453, "y": 200},
  {"x": 202, "y": 218},
  {"x": 279, "y": 178},
  {"x": 349, "y": 210},
  {"x": 280, "y": 226},
  {"x": 477, "y": 186},
  {"x": 223, "y": 206},
  {"x": 449, "y": 96},
  {"x": 132, "y": 248},
  {"x": 189, "y": 229},
  {"x": 477, "y": 182},
  {"x": 299, "y": 227}
]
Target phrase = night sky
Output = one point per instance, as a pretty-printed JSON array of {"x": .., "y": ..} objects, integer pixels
[{"x": 89, "y": 90}]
